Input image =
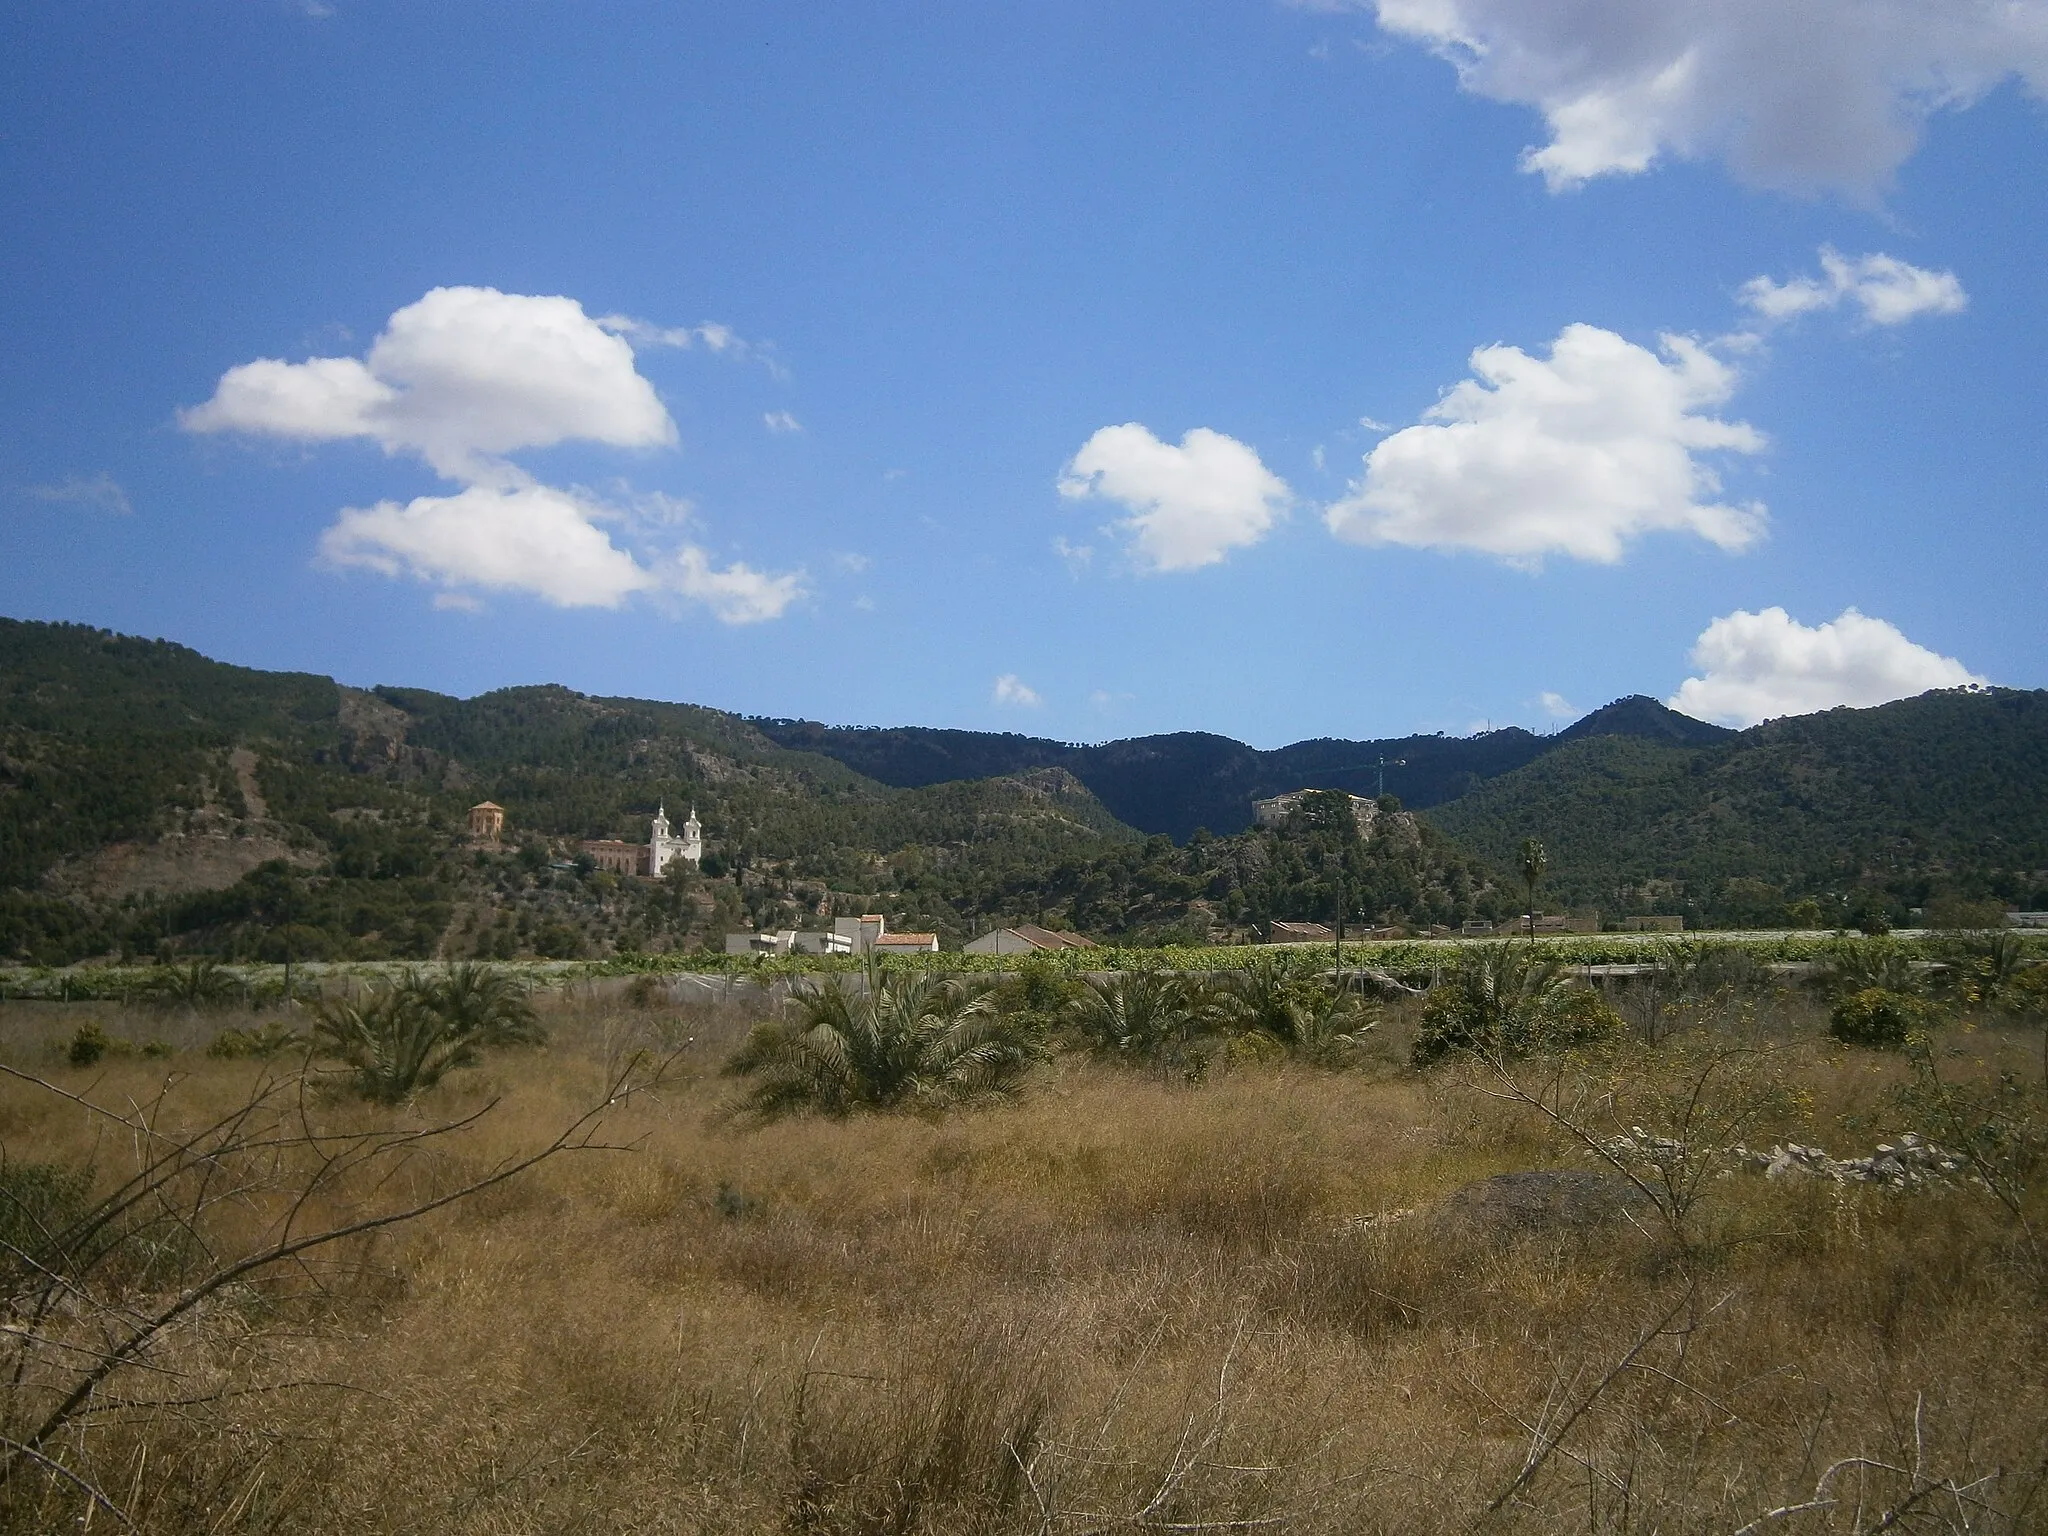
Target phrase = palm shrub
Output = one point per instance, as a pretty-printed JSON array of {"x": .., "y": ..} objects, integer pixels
[
  {"x": 1858, "y": 965},
  {"x": 1146, "y": 1016},
  {"x": 1271, "y": 1000},
  {"x": 1503, "y": 1001},
  {"x": 483, "y": 1003},
  {"x": 1986, "y": 970},
  {"x": 898, "y": 1041},
  {"x": 194, "y": 985},
  {"x": 390, "y": 1041},
  {"x": 407, "y": 1035}
]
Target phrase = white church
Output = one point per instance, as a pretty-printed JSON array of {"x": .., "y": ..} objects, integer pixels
[{"x": 652, "y": 858}]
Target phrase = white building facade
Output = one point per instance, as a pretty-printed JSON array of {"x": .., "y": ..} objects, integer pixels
[{"x": 664, "y": 848}]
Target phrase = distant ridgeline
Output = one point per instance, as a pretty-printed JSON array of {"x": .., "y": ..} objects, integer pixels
[
  {"x": 153, "y": 801},
  {"x": 1177, "y": 783}
]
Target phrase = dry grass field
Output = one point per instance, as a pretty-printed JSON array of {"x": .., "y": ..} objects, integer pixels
[{"x": 1120, "y": 1304}]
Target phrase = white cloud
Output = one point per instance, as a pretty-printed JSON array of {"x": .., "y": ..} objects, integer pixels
[
  {"x": 537, "y": 539},
  {"x": 1011, "y": 689},
  {"x": 1758, "y": 666},
  {"x": 739, "y": 594},
  {"x": 1190, "y": 505},
  {"x": 1556, "y": 706},
  {"x": 711, "y": 335},
  {"x": 97, "y": 493},
  {"x": 645, "y": 333},
  {"x": 458, "y": 602},
  {"x": 780, "y": 421},
  {"x": 1887, "y": 290},
  {"x": 1572, "y": 455},
  {"x": 530, "y": 538},
  {"x": 1078, "y": 557},
  {"x": 461, "y": 378},
  {"x": 1795, "y": 94}
]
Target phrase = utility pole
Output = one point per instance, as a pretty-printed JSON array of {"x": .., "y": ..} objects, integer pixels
[{"x": 1383, "y": 765}]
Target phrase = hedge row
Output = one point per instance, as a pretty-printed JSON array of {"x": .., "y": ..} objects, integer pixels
[{"x": 1409, "y": 959}]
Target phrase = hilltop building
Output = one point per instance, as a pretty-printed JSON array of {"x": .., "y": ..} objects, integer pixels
[
  {"x": 653, "y": 857},
  {"x": 486, "y": 822},
  {"x": 1271, "y": 813}
]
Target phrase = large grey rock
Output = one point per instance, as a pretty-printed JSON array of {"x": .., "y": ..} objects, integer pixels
[{"x": 1539, "y": 1201}]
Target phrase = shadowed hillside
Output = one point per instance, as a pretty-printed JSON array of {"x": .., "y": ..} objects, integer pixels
[
  {"x": 1175, "y": 783},
  {"x": 1854, "y": 808}
]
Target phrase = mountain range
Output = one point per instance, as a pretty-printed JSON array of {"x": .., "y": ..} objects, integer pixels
[
  {"x": 152, "y": 799},
  {"x": 1175, "y": 783}
]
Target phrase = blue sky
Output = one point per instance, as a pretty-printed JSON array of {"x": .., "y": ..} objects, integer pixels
[{"x": 1018, "y": 368}]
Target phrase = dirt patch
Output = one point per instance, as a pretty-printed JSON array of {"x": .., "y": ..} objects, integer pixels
[
  {"x": 176, "y": 865},
  {"x": 243, "y": 761}
]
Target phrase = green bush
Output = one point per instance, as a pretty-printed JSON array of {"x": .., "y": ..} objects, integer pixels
[
  {"x": 91, "y": 1043},
  {"x": 1877, "y": 1016},
  {"x": 271, "y": 1039}
]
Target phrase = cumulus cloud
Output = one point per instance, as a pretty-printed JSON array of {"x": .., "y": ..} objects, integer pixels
[
  {"x": 1190, "y": 505},
  {"x": 1575, "y": 455},
  {"x": 738, "y": 594},
  {"x": 1556, "y": 705},
  {"x": 1011, "y": 689},
  {"x": 461, "y": 379},
  {"x": 1887, "y": 290},
  {"x": 1793, "y": 94},
  {"x": 548, "y": 542},
  {"x": 1758, "y": 666},
  {"x": 96, "y": 493}
]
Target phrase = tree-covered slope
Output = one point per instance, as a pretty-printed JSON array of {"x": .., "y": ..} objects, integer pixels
[
  {"x": 141, "y": 784},
  {"x": 103, "y": 737},
  {"x": 1947, "y": 792}
]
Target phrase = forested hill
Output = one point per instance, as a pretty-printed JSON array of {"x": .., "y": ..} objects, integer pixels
[
  {"x": 1889, "y": 808},
  {"x": 154, "y": 802},
  {"x": 149, "y": 795},
  {"x": 1176, "y": 783}
]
